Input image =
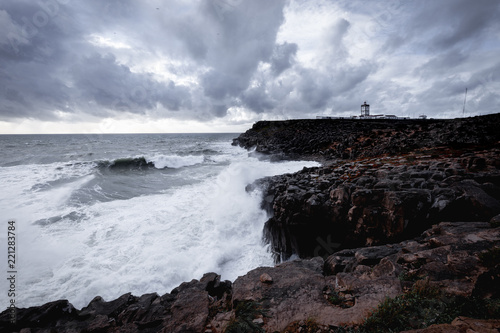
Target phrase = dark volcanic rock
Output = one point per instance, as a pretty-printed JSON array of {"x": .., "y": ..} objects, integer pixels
[
  {"x": 447, "y": 256},
  {"x": 47, "y": 315},
  {"x": 185, "y": 309},
  {"x": 348, "y": 139},
  {"x": 343, "y": 290},
  {"x": 383, "y": 180},
  {"x": 374, "y": 201}
]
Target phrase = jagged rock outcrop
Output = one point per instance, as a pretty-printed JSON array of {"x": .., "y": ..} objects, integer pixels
[
  {"x": 448, "y": 256},
  {"x": 348, "y": 139},
  {"x": 343, "y": 290},
  {"x": 184, "y": 309},
  {"x": 373, "y": 201},
  {"x": 382, "y": 180}
]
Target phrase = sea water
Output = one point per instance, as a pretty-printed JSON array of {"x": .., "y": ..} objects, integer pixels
[{"x": 110, "y": 214}]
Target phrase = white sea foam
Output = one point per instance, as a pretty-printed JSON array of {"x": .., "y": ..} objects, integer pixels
[
  {"x": 149, "y": 243},
  {"x": 34, "y": 190},
  {"x": 174, "y": 161}
]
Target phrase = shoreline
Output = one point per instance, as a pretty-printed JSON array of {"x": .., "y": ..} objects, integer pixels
[{"x": 414, "y": 205}]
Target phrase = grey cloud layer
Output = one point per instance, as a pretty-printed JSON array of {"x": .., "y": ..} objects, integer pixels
[{"x": 226, "y": 53}]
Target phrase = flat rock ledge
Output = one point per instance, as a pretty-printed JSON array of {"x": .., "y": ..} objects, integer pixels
[{"x": 293, "y": 293}]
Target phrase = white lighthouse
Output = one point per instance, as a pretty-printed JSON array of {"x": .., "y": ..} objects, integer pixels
[{"x": 365, "y": 110}]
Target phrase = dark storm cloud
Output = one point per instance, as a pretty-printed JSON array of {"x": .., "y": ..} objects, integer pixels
[
  {"x": 30, "y": 54},
  {"x": 72, "y": 74},
  {"x": 317, "y": 88},
  {"x": 436, "y": 26},
  {"x": 101, "y": 80},
  {"x": 245, "y": 37},
  {"x": 485, "y": 79},
  {"x": 332, "y": 76},
  {"x": 314, "y": 89},
  {"x": 447, "y": 94},
  {"x": 45, "y": 70},
  {"x": 196, "y": 60},
  {"x": 464, "y": 21},
  {"x": 32, "y": 84},
  {"x": 283, "y": 57},
  {"x": 444, "y": 43},
  {"x": 257, "y": 99},
  {"x": 442, "y": 63}
]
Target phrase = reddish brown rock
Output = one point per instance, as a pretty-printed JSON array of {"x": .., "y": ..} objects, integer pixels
[
  {"x": 386, "y": 200},
  {"x": 297, "y": 294},
  {"x": 266, "y": 278},
  {"x": 344, "y": 290},
  {"x": 185, "y": 309}
]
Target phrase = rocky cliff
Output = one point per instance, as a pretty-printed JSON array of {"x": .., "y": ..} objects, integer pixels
[
  {"x": 382, "y": 180},
  {"x": 372, "y": 201},
  {"x": 398, "y": 229},
  {"x": 327, "y": 139},
  {"x": 447, "y": 272}
]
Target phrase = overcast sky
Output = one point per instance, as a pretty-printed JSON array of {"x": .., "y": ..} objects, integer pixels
[{"x": 220, "y": 65}]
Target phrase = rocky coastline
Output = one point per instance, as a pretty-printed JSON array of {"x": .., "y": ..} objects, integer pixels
[
  {"x": 403, "y": 215},
  {"x": 332, "y": 139}
]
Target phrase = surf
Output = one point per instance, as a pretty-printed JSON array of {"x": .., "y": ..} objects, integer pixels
[{"x": 161, "y": 216}]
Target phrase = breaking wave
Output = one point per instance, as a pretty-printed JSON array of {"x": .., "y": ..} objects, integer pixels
[
  {"x": 175, "y": 161},
  {"x": 157, "y": 162}
]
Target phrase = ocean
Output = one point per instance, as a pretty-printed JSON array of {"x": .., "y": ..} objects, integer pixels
[{"x": 141, "y": 213}]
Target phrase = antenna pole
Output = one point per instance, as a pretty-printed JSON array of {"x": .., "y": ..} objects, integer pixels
[{"x": 465, "y": 99}]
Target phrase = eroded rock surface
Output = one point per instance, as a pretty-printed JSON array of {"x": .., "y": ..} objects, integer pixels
[
  {"x": 184, "y": 309},
  {"x": 374, "y": 201},
  {"x": 447, "y": 255},
  {"x": 343, "y": 290},
  {"x": 348, "y": 139},
  {"x": 382, "y": 180}
]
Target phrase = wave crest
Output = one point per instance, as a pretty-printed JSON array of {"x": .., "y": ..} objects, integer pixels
[
  {"x": 175, "y": 161},
  {"x": 127, "y": 163},
  {"x": 157, "y": 162}
]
